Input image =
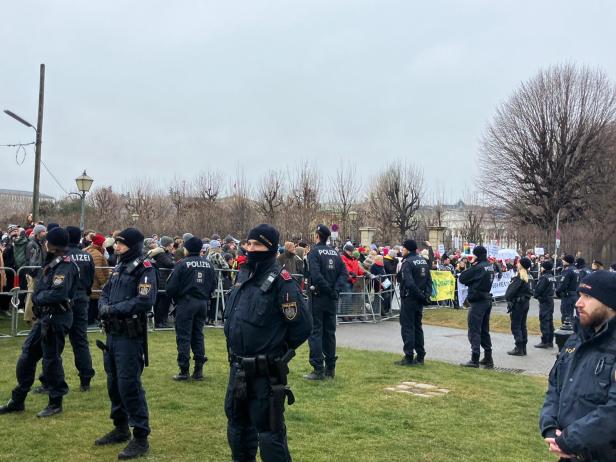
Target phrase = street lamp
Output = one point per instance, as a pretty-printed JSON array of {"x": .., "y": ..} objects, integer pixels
[
  {"x": 84, "y": 183},
  {"x": 134, "y": 216},
  {"x": 352, "y": 217}
]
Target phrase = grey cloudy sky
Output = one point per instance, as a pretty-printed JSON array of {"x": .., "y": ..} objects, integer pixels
[{"x": 166, "y": 89}]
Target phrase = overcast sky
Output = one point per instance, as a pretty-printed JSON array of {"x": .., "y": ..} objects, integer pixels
[{"x": 163, "y": 89}]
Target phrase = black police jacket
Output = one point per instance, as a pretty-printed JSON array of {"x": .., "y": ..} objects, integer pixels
[
  {"x": 326, "y": 270},
  {"x": 568, "y": 283},
  {"x": 518, "y": 290},
  {"x": 581, "y": 396},
  {"x": 84, "y": 262},
  {"x": 131, "y": 289},
  {"x": 265, "y": 312},
  {"x": 415, "y": 279},
  {"x": 57, "y": 285},
  {"x": 544, "y": 290},
  {"x": 164, "y": 263},
  {"x": 192, "y": 276},
  {"x": 478, "y": 278}
]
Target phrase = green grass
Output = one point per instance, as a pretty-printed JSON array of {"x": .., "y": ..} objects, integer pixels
[
  {"x": 448, "y": 317},
  {"x": 487, "y": 416}
]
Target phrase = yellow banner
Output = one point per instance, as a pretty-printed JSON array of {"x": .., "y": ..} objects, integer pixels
[{"x": 443, "y": 285}]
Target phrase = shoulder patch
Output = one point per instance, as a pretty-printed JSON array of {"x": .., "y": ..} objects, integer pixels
[
  {"x": 286, "y": 275},
  {"x": 290, "y": 310},
  {"x": 147, "y": 263},
  {"x": 58, "y": 280},
  {"x": 67, "y": 259}
]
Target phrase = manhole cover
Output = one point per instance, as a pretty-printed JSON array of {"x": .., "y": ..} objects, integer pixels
[
  {"x": 509, "y": 369},
  {"x": 422, "y": 390}
]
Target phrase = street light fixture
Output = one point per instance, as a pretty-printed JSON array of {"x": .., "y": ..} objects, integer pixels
[
  {"x": 353, "y": 217},
  {"x": 84, "y": 183},
  {"x": 134, "y": 216}
]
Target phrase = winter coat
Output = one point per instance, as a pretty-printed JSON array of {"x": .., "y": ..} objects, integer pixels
[
  {"x": 101, "y": 274},
  {"x": 164, "y": 264},
  {"x": 291, "y": 262},
  {"x": 352, "y": 266}
]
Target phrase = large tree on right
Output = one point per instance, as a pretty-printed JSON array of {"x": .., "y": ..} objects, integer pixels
[{"x": 549, "y": 147}]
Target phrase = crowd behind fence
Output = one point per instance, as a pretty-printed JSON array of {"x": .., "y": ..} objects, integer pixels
[{"x": 371, "y": 298}]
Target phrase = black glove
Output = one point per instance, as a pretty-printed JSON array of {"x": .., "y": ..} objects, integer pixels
[
  {"x": 104, "y": 311},
  {"x": 352, "y": 275}
]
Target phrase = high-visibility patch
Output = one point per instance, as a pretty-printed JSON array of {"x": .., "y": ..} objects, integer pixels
[
  {"x": 147, "y": 263},
  {"x": 144, "y": 289},
  {"x": 286, "y": 275},
  {"x": 290, "y": 310},
  {"x": 58, "y": 280}
]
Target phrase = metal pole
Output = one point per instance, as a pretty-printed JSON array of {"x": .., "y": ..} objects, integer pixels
[
  {"x": 37, "y": 151},
  {"x": 83, "y": 210},
  {"x": 557, "y": 239}
]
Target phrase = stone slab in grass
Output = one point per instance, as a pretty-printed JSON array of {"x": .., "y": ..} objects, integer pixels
[{"x": 421, "y": 390}]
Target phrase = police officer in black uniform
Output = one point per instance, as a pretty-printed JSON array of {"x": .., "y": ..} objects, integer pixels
[
  {"x": 415, "y": 292},
  {"x": 544, "y": 293},
  {"x": 566, "y": 289},
  {"x": 479, "y": 278},
  {"x": 125, "y": 301},
  {"x": 52, "y": 299},
  {"x": 577, "y": 419},
  {"x": 266, "y": 318},
  {"x": 327, "y": 276},
  {"x": 191, "y": 285}
]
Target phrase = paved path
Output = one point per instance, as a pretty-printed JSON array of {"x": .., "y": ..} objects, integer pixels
[{"x": 445, "y": 344}]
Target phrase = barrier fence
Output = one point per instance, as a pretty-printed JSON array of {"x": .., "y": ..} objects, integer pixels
[{"x": 369, "y": 298}]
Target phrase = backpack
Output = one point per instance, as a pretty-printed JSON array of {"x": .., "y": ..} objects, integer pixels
[{"x": 19, "y": 252}]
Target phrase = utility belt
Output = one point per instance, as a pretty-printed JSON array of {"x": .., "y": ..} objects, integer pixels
[
  {"x": 130, "y": 327},
  {"x": 57, "y": 308},
  {"x": 275, "y": 369}
]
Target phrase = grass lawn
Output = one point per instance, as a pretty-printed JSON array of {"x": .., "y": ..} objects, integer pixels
[
  {"x": 448, "y": 317},
  {"x": 487, "y": 416}
]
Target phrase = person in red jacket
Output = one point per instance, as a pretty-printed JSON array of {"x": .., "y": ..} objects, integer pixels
[{"x": 355, "y": 270}]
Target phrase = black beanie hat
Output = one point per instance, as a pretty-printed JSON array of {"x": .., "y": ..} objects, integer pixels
[
  {"x": 410, "y": 245},
  {"x": 266, "y": 235},
  {"x": 547, "y": 265},
  {"x": 348, "y": 247},
  {"x": 51, "y": 226},
  {"x": 526, "y": 263},
  {"x": 130, "y": 237},
  {"x": 58, "y": 237},
  {"x": 323, "y": 231},
  {"x": 600, "y": 285},
  {"x": 480, "y": 251},
  {"x": 193, "y": 245},
  {"x": 580, "y": 263},
  {"x": 569, "y": 259},
  {"x": 74, "y": 234}
]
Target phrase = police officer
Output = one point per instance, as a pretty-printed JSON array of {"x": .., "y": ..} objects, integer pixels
[
  {"x": 581, "y": 269},
  {"x": 566, "y": 289},
  {"x": 415, "y": 292},
  {"x": 479, "y": 278},
  {"x": 327, "y": 275},
  {"x": 544, "y": 293},
  {"x": 266, "y": 318},
  {"x": 191, "y": 285},
  {"x": 577, "y": 419},
  {"x": 125, "y": 301},
  {"x": 52, "y": 299}
]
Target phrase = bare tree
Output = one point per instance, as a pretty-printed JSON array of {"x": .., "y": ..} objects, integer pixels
[
  {"x": 270, "y": 196},
  {"x": 344, "y": 193},
  {"x": 240, "y": 206},
  {"x": 544, "y": 149},
  {"x": 107, "y": 207},
  {"x": 303, "y": 200},
  {"x": 396, "y": 196}
]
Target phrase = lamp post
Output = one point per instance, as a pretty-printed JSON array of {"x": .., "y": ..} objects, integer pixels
[
  {"x": 37, "y": 146},
  {"x": 84, "y": 183},
  {"x": 135, "y": 217},
  {"x": 353, "y": 217}
]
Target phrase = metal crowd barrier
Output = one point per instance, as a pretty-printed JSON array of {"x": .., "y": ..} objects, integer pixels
[{"x": 371, "y": 299}]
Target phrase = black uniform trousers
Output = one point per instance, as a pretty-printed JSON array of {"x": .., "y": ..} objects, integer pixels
[
  {"x": 411, "y": 314},
  {"x": 546, "y": 320},
  {"x": 161, "y": 308},
  {"x": 45, "y": 341},
  {"x": 189, "y": 322},
  {"x": 518, "y": 315},
  {"x": 92, "y": 311},
  {"x": 248, "y": 423},
  {"x": 124, "y": 365},
  {"x": 322, "y": 340},
  {"x": 567, "y": 307},
  {"x": 479, "y": 326}
]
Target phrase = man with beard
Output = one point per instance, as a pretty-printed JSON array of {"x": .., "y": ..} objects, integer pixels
[
  {"x": 577, "y": 419},
  {"x": 52, "y": 307},
  {"x": 125, "y": 301},
  {"x": 266, "y": 319}
]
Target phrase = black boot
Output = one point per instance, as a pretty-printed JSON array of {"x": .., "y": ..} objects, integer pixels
[
  {"x": 474, "y": 362},
  {"x": 53, "y": 407},
  {"x": 419, "y": 360},
  {"x": 119, "y": 434},
  {"x": 545, "y": 345},
  {"x": 198, "y": 372},
  {"x": 12, "y": 406},
  {"x": 182, "y": 376},
  {"x": 85, "y": 384},
  {"x": 316, "y": 374},
  {"x": 136, "y": 447},
  {"x": 330, "y": 372},
  {"x": 406, "y": 361},
  {"x": 524, "y": 349},
  {"x": 517, "y": 351},
  {"x": 487, "y": 360}
]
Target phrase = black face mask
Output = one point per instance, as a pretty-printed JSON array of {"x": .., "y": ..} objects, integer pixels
[
  {"x": 254, "y": 258},
  {"x": 131, "y": 253}
]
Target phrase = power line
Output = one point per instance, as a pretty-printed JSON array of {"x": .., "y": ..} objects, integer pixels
[{"x": 54, "y": 178}]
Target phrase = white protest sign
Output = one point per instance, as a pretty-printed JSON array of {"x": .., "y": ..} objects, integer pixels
[{"x": 499, "y": 287}]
